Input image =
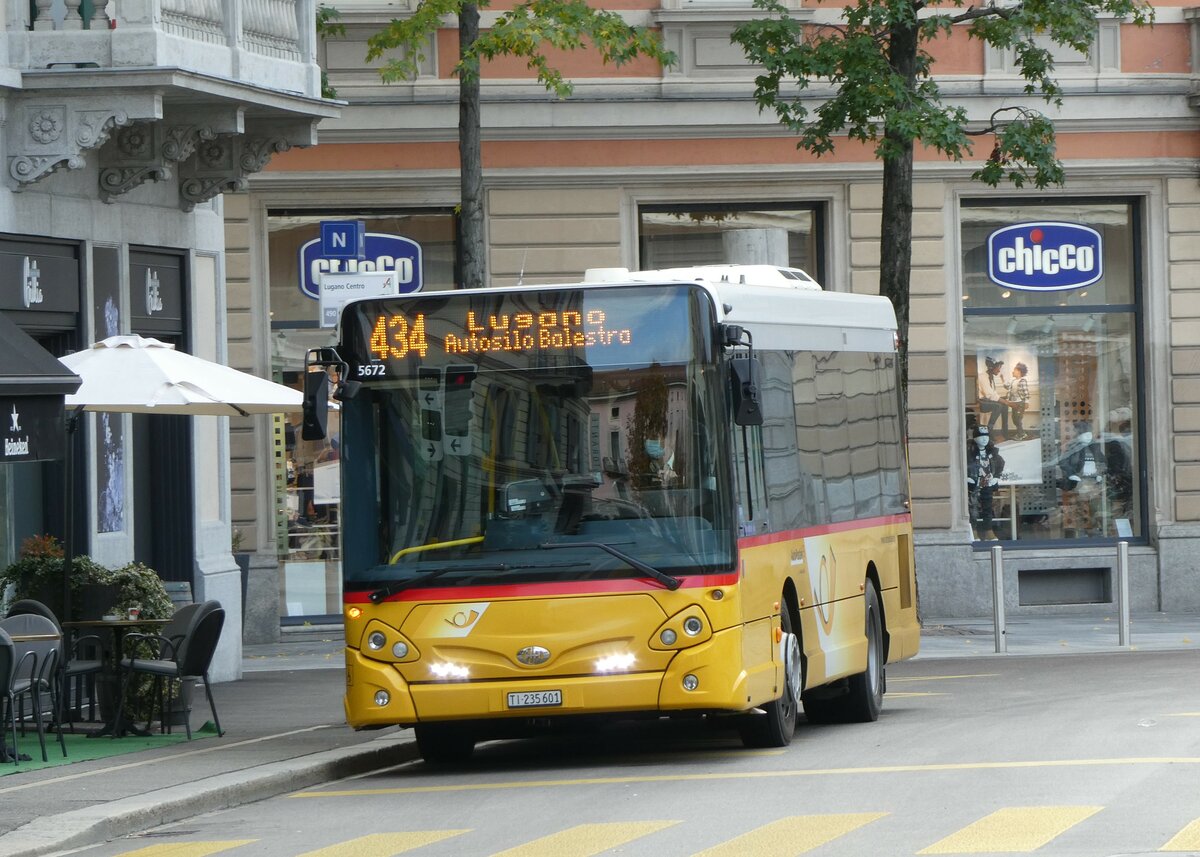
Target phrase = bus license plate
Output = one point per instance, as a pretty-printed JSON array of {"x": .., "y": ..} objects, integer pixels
[{"x": 534, "y": 698}]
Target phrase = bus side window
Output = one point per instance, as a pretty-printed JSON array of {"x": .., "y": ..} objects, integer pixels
[{"x": 752, "y": 492}]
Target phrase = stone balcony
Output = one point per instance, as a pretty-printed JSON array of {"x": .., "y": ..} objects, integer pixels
[{"x": 201, "y": 92}]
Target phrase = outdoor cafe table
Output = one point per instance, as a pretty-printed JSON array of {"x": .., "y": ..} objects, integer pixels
[
  {"x": 112, "y": 665},
  {"x": 23, "y": 638}
]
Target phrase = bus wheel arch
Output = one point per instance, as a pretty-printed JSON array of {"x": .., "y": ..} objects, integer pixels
[
  {"x": 873, "y": 580},
  {"x": 857, "y": 698},
  {"x": 775, "y": 724}
]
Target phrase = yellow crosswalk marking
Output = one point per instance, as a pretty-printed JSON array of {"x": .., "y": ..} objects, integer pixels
[
  {"x": 1187, "y": 839},
  {"x": 791, "y": 836},
  {"x": 384, "y": 844},
  {"x": 587, "y": 839},
  {"x": 1013, "y": 830},
  {"x": 187, "y": 849}
]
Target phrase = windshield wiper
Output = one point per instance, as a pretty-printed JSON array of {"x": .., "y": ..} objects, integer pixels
[
  {"x": 662, "y": 577},
  {"x": 395, "y": 586}
]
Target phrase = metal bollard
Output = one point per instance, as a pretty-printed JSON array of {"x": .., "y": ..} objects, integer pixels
[
  {"x": 998, "y": 599},
  {"x": 1123, "y": 594}
]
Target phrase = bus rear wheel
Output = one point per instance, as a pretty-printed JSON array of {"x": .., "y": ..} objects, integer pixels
[
  {"x": 444, "y": 743},
  {"x": 776, "y": 725},
  {"x": 861, "y": 698}
]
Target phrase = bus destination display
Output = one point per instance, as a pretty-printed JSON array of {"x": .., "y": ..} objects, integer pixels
[{"x": 399, "y": 336}]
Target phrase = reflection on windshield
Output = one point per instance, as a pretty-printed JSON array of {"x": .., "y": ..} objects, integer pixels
[{"x": 480, "y": 464}]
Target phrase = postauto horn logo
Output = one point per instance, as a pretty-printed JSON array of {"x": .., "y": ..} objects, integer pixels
[{"x": 1045, "y": 256}]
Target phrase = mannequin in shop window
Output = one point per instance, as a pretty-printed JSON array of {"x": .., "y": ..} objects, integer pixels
[
  {"x": 984, "y": 467},
  {"x": 1118, "y": 462},
  {"x": 1083, "y": 467}
]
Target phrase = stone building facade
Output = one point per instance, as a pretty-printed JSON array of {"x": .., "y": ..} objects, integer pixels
[
  {"x": 644, "y": 167},
  {"x": 123, "y": 125}
]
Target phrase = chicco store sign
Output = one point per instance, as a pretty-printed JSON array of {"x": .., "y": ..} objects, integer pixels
[
  {"x": 382, "y": 253},
  {"x": 1045, "y": 256}
]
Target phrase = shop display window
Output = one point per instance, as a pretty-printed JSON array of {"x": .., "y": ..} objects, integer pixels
[
  {"x": 687, "y": 235},
  {"x": 1052, "y": 376},
  {"x": 307, "y": 478}
]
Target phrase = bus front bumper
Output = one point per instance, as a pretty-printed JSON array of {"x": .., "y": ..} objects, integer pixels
[{"x": 377, "y": 695}]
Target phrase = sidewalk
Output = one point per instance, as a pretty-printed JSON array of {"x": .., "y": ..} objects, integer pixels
[{"x": 284, "y": 730}]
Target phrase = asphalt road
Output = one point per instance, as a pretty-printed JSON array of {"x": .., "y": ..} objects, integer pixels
[{"x": 1082, "y": 755}]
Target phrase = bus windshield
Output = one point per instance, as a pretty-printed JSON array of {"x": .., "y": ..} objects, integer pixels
[{"x": 590, "y": 421}]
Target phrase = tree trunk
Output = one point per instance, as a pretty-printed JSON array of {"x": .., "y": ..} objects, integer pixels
[
  {"x": 470, "y": 218},
  {"x": 895, "y": 241}
]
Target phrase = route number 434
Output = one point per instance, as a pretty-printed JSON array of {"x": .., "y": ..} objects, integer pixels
[{"x": 393, "y": 337}]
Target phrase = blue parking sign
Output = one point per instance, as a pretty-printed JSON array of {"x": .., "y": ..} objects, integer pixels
[{"x": 343, "y": 239}]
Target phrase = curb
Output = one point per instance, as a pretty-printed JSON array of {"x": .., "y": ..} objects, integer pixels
[{"x": 105, "y": 821}]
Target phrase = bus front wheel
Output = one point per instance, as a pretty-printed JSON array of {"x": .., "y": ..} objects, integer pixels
[
  {"x": 444, "y": 743},
  {"x": 776, "y": 725}
]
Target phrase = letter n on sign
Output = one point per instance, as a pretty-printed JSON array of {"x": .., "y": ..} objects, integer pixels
[{"x": 343, "y": 239}]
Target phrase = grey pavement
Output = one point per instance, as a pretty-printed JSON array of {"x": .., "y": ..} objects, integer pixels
[{"x": 285, "y": 730}]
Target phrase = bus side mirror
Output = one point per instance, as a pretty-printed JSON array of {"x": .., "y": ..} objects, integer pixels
[
  {"x": 315, "y": 406},
  {"x": 745, "y": 384}
]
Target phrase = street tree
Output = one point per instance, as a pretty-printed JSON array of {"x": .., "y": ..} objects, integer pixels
[
  {"x": 868, "y": 79},
  {"x": 528, "y": 31}
]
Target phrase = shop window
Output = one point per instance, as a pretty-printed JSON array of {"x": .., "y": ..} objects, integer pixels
[
  {"x": 308, "y": 477},
  {"x": 1051, "y": 368},
  {"x": 679, "y": 236}
]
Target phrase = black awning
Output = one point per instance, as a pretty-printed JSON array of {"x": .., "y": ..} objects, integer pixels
[{"x": 27, "y": 369}]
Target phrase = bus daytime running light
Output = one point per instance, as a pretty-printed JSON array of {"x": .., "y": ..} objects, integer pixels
[
  {"x": 690, "y": 682},
  {"x": 382, "y": 698},
  {"x": 692, "y": 626},
  {"x": 376, "y": 640},
  {"x": 615, "y": 663},
  {"x": 668, "y": 637},
  {"x": 400, "y": 650},
  {"x": 448, "y": 670}
]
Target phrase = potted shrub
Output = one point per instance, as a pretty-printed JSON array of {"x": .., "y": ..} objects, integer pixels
[{"x": 38, "y": 574}]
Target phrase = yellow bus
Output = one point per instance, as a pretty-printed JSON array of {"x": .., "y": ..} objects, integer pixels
[{"x": 668, "y": 493}]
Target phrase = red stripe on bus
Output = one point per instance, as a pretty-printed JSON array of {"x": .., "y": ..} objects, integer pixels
[
  {"x": 536, "y": 590},
  {"x": 822, "y": 530}
]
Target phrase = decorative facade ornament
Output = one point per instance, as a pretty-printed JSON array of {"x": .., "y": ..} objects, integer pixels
[
  {"x": 47, "y": 137},
  {"x": 147, "y": 151},
  {"x": 46, "y": 126},
  {"x": 222, "y": 165}
]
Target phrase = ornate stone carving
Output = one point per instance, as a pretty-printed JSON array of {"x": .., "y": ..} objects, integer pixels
[
  {"x": 146, "y": 151},
  {"x": 46, "y": 125},
  {"x": 47, "y": 137},
  {"x": 221, "y": 165}
]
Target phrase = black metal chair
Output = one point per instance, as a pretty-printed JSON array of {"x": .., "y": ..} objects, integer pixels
[
  {"x": 82, "y": 660},
  {"x": 8, "y": 699},
  {"x": 188, "y": 655},
  {"x": 36, "y": 673}
]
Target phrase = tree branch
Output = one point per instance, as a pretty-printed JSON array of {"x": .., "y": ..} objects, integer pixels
[{"x": 975, "y": 12}]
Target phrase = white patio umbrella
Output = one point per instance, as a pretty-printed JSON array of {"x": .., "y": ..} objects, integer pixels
[
  {"x": 136, "y": 375},
  {"x": 133, "y": 374}
]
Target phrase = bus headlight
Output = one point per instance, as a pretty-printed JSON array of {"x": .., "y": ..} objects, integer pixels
[
  {"x": 449, "y": 670},
  {"x": 382, "y": 698},
  {"x": 615, "y": 663},
  {"x": 689, "y": 627},
  {"x": 690, "y": 682},
  {"x": 376, "y": 641},
  {"x": 400, "y": 650}
]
